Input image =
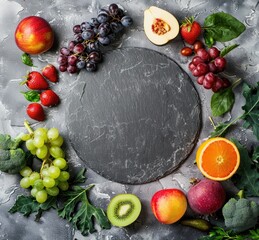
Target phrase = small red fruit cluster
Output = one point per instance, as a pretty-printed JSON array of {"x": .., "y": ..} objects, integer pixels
[
  {"x": 205, "y": 65},
  {"x": 39, "y": 86}
]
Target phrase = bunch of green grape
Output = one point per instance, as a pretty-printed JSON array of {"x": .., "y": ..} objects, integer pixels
[{"x": 52, "y": 177}]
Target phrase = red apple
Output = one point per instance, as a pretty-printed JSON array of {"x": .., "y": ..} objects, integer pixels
[
  {"x": 169, "y": 205},
  {"x": 34, "y": 35}
]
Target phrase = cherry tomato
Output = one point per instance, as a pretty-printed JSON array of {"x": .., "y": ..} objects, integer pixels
[
  {"x": 186, "y": 51},
  {"x": 197, "y": 45}
]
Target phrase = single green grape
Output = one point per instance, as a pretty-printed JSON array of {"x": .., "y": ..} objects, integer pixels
[
  {"x": 41, "y": 132},
  {"x": 53, "y": 134},
  {"x": 45, "y": 172},
  {"x": 25, "y": 136},
  {"x": 38, "y": 184},
  {"x": 42, "y": 152},
  {"x": 41, "y": 196},
  {"x": 30, "y": 144},
  {"x": 54, "y": 191},
  {"x": 57, "y": 142},
  {"x": 61, "y": 163},
  {"x": 33, "y": 151},
  {"x": 63, "y": 186},
  {"x": 56, "y": 152},
  {"x": 38, "y": 141},
  {"x": 25, "y": 182},
  {"x": 26, "y": 171},
  {"x": 34, "y": 192},
  {"x": 48, "y": 182},
  {"x": 33, "y": 177},
  {"x": 64, "y": 176},
  {"x": 54, "y": 172}
]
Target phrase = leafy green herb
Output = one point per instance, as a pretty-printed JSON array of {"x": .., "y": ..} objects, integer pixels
[
  {"x": 79, "y": 178},
  {"x": 32, "y": 96},
  {"x": 255, "y": 156},
  {"x": 247, "y": 175},
  {"x": 222, "y": 101},
  {"x": 221, "y": 27},
  {"x": 251, "y": 108},
  {"x": 27, "y": 205},
  {"x": 228, "y": 49},
  {"x": 254, "y": 234},
  {"x": 250, "y": 115},
  {"x": 27, "y": 60},
  {"x": 218, "y": 233},
  {"x": 82, "y": 217}
]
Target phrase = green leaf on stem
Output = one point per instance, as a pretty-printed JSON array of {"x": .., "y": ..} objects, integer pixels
[
  {"x": 220, "y": 129},
  {"x": 247, "y": 175},
  {"x": 222, "y": 27},
  {"x": 32, "y": 96},
  {"x": 251, "y": 108},
  {"x": 27, "y": 60},
  {"x": 222, "y": 101},
  {"x": 81, "y": 213},
  {"x": 228, "y": 49},
  {"x": 27, "y": 205}
]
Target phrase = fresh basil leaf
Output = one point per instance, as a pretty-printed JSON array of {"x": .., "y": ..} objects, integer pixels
[
  {"x": 223, "y": 27},
  {"x": 227, "y": 49},
  {"x": 32, "y": 96},
  {"x": 27, "y": 60},
  {"x": 222, "y": 101}
]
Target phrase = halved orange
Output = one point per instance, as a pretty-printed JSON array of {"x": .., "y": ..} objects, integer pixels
[{"x": 218, "y": 158}]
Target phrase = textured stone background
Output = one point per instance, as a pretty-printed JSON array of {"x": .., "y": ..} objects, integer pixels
[{"x": 62, "y": 15}]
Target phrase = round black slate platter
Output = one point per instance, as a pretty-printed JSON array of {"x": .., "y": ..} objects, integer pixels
[{"x": 136, "y": 119}]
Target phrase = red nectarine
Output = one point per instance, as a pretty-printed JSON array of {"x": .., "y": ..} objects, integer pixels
[
  {"x": 169, "y": 205},
  {"x": 34, "y": 35}
]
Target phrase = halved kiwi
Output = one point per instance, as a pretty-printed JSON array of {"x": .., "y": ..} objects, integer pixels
[{"x": 123, "y": 209}]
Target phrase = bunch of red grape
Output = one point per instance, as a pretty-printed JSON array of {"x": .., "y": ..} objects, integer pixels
[
  {"x": 84, "y": 51},
  {"x": 205, "y": 66}
]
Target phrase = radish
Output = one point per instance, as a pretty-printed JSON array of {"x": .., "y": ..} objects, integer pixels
[{"x": 206, "y": 197}]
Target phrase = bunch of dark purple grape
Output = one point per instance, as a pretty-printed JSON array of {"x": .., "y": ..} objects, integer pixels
[
  {"x": 206, "y": 65},
  {"x": 84, "y": 52}
]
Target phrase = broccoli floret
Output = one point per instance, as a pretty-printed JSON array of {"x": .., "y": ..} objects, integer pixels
[
  {"x": 6, "y": 142},
  {"x": 241, "y": 214},
  {"x": 12, "y": 158}
]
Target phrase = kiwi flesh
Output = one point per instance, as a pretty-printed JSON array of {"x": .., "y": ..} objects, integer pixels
[{"x": 123, "y": 209}]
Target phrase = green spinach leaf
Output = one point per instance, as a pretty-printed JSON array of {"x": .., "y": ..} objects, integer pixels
[
  {"x": 222, "y": 27},
  {"x": 222, "y": 101}
]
